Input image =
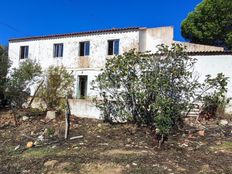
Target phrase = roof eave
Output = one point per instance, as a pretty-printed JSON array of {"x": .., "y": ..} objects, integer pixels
[{"x": 76, "y": 34}]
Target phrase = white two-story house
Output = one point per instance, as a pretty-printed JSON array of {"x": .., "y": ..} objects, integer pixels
[{"x": 85, "y": 53}]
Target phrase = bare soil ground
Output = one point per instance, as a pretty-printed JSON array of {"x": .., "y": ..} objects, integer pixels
[{"x": 111, "y": 149}]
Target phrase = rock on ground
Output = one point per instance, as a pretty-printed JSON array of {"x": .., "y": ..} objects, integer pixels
[
  {"x": 223, "y": 122},
  {"x": 51, "y": 115},
  {"x": 50, "y": 163}
]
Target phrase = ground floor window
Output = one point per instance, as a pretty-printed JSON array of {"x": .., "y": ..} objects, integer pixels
[{"x": 82, "y": 86}]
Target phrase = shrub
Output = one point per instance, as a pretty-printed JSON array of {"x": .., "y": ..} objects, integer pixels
[
  {"x": 20, "y": 80},
  {"x": 215, "y": 101},
  {"x": 4, "y": 66},
  {"x": 58, "y": 84},
  {"x": 149, "y": 89}
]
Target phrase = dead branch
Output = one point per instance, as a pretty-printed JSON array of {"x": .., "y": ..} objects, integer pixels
[
  {"x": 33, "y": 97},
  {"x": 29, "y": 137},
  {"x": 67, "y": 119}
]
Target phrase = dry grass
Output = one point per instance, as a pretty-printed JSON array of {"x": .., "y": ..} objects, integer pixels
[{"x": 101, "y": 168}]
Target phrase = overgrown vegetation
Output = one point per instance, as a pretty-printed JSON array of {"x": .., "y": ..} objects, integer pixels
[
  {"x": 152, "y": 89},
  {"x": 215, "y": 101},
  {"x": 4, "y": 66},
  {"x": 15, "y": 85},
  {"x": 57, "y": 86},
  {"x": 20, "y": 80}
]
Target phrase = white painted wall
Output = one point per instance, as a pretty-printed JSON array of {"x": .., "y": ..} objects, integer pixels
[
  {"x": 157, "y": 36},
  {"x": 84, "y": 108},
  {"x": 42, "y": 49},
  {"x": 214, "y": 64}
]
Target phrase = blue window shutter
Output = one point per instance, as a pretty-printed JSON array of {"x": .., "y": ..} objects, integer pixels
[
  {"x": 57, "y": 51},
  {"x": 116, "y": 47},
  {"x": 54, "y": 50},
  {"x": 26, "y": 51},
  {"x": 61, "y": 50},
  {"x": 87, "y": 48}
]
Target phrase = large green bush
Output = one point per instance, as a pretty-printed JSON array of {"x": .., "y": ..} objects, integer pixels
[{"x": 150, "y": 89}]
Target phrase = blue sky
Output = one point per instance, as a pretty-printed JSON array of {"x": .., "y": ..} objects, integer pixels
[{"x": 21, "y": 18}]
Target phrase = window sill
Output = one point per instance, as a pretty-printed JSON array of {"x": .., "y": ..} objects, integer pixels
[
  {"x": 24, "y": 59},
  {"x": 113, "y": 55}
]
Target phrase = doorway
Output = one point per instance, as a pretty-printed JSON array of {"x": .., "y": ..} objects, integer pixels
[{"x": 82, "y": 86}]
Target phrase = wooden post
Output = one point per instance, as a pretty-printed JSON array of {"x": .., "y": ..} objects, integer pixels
[
  {"x": 13, "y": 109},
  {"x": 67, "y": 119}
]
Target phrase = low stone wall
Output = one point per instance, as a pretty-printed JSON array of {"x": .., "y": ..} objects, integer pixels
[
  {"x": 79, "y": 108},
  {"x": 84, "y": 108}
]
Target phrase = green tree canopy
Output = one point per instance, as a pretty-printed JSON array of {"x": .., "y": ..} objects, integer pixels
[{"x": 210, "y": 23}]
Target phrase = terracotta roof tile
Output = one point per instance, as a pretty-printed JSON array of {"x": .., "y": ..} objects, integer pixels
[
  {"x": 75, "y": 34},
  {"x": 226, "y": 52}
]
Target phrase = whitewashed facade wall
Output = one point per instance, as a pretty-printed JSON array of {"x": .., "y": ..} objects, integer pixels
[{"x": 41, "y": 50}]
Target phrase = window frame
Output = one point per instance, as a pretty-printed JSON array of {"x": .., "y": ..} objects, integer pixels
[
  {"x": 56, "y": 52},
  {"x": 24, "y": 52},
  {"x": 115, "y": 50},
  {"x": 86, "y": 47}
]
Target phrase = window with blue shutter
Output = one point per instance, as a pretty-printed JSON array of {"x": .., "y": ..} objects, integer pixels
[
  {"x": 116, "y": 47},
  {"x": 58, "y": 50},
  {"x": 24, "y": 51},
  {"x": 84, "y": 48},
  {"x": 113, "y": 47}
]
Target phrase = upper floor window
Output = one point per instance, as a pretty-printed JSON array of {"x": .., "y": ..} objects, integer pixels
[
  {"x": 58, "y": 50},
  {"x": 84, "y": 48},
  {"x": 24, "y": 52},
  {"x": 113, "y": 47}
]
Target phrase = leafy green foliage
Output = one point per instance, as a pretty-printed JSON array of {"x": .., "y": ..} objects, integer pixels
[
  {"x": 4, "y": 66},
  {"x": 210, "y": 23},
  {"x": 215, "y": 101},
  {"x": 151, "y": 89},
  {"x": 20, "y": 80},
  {"x": 147, "y": 89},
  {"x": 58, "y": 84}
]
